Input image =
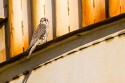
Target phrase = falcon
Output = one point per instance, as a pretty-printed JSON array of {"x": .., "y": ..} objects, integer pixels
[{"x": 39, "y": 36}]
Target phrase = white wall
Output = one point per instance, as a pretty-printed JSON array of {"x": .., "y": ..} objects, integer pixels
[{"x": 99, "y": 63}]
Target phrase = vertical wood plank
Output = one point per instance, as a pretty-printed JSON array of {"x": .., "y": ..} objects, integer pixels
[
  {"x": 2, "y": 43},
  {"x": 61, "y": 17},
  {"x": 67, "y": 16},
  {"x": 88, "y": 15},
  {"x": 26, "y": 22},
  {"x": 15, "y": 25},
  {"x": 48, "y": 14},
  {"x": 37, "y": 11},
  {"x": 99, "y": 10},
  {"x": 122, "y": 6},
  {"x": 73, "y": 15},
  {"x": 114, "y": 7}
]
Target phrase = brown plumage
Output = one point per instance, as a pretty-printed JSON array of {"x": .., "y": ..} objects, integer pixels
[{"x": 39, "y": 35}]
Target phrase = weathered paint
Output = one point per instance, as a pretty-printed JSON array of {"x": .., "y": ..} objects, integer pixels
[
  {"x": 66, "y": 16},
  {"x": 2, "y": 44},
  {"x": 48, "y": 14},
  {"x": 73, "y": 15},
  {"x": 37, "y": 12},
  {"x": 99, "y": 10},
  {"x": 122, "y": 6},
  {"x": 26, "y": 22},
  {"x": 114, "y": 7},
  {"x": 93, "y": 11},
  {"x": 88, "y": 13},
  {"x": 15, "y": 24}
]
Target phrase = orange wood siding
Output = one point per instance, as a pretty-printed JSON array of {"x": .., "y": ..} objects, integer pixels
[
  {"x": 114, "y": 7},
  {"x": 99, "y": 10},
  {"x": 88, "y": 15},
  {"x": 66, "y": 16},
  {"x": 16, "y": 29},
  {"x": 61, "y": 17},
  {"x": 26, "y": 22},
  {"x": 122, "y": 6},
  {"x": 48, "y": 14},
  {"x": 73, "y": 15},
  {"x": 92, "y": 11},
  {"x": 2, "y": 44},
  {"x": 37, "y": 12}
]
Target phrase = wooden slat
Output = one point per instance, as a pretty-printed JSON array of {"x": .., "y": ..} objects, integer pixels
[
  {"x": 67, "y": 18},
  {"x": 114, "y": 7},
  {"x": 2, "y": 44},
  {"x": 122, "y": 6},
  {"x": 99, "y": 10},
  {"x": 88, "y": 15},
  {"x": 61, "y": 17},
  {"x": 37, "y": 11},
  {"x": 48, "y": 14},
  {"x": 73, "y": 15},
  {"x": 16, "y": 29},
  {"x": 26, "y": 22}
]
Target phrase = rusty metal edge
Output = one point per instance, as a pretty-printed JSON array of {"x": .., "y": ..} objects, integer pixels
[{"x": 63, "y": 37}]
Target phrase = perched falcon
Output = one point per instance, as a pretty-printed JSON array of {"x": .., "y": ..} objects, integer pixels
[{"x": 39, "y": 36}]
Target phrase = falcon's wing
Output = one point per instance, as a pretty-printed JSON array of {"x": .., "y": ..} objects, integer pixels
[{"x": 41, "y": 30}]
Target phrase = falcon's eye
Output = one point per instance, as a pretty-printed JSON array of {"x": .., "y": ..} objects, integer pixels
[{"x": 43, "y": 20}]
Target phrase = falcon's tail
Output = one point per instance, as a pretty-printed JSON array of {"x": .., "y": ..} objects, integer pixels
[{"x": 30, "y": 50}]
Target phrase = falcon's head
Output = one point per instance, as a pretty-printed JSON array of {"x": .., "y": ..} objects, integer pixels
[{"x": 44, "y": 20}]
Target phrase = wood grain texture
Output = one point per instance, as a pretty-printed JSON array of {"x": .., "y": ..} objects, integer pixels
[
  {"x": 73, "y": 15},
  {"x": 99, "y": 10},
  {"x": 2, "y": 43},
  {"x": 67, "y": 18},
  {"x": 48, "y": 15},
  {"x": 16, "y": 29},
  {"x": 88, "y": 15},
  {"x": 61, "y": 17},
  {"x": 37, "y": 11},
  {"x": 114, "y": 7},
  {"x": 122, "y": 6},
  {"x": 26, "y": 22}
]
